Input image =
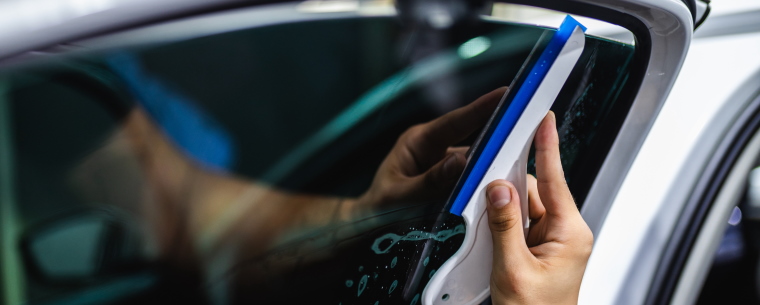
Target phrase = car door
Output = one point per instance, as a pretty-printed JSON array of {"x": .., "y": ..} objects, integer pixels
[
  {"x": 219, "y": 157},
  {"x": 702, "y": 190}
]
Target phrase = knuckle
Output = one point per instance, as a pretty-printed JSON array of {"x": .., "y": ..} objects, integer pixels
[
  {"x": 512, "y": 283},
  {"x": 480, "y": 109},
  {"x": 588, "y": 244},
  {"x": 433, "y": 179},
  {"x": 415, "y": 131},
  {"x": 503, "y": 222},
  {"x": 585, "y": 242},
  {"x": 414, "y": 136}
]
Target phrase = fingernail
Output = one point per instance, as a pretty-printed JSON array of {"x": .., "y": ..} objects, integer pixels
[
  {"x": 499, "y": 196},
  {"x": 449, "y": 166}
]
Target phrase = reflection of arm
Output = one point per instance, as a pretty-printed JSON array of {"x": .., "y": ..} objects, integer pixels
[
  {"x": 208, "y": 209},
  {"x": 193, "y": 202}
]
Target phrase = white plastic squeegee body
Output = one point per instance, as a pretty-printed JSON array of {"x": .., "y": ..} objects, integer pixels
[{"x": 465, "y": 278}]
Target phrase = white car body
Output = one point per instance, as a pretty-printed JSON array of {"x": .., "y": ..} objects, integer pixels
[
  {"x": 651, "y": 170},
  {"x": 718, "y": 76}
]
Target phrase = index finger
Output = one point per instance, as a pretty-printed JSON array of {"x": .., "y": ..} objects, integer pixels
[{"x": 552, "y": 187}]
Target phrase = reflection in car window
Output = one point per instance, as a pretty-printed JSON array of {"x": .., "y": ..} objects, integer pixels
[
  {"x": 232, "y": 168},
  {"x": 733, "y": 273}
]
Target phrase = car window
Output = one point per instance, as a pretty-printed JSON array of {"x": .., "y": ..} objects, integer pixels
[
  {"x": 733, "y": 273},
  {"x": 235, "y": 167}
]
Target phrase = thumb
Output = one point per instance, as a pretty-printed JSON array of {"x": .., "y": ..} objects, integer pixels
[{"x": 505, "y": 221}]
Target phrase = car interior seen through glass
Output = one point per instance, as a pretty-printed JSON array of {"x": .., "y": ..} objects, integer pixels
[{"x": 226, "y": 168}]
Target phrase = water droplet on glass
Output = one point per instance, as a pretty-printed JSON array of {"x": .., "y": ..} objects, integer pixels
[
  {"x": 387, "y": 241},
  {"x": 361, "y": 268},
  {"x": 393, "y": 286},
  {"x": 349, "y": 283},
  {"x": 426, "y": 261},
  {"x": 416, "y": 298},
  {"x": 394, "y": 261},
  {"x": 362, "y": 285},
  {"x": 431, "y": 273}
]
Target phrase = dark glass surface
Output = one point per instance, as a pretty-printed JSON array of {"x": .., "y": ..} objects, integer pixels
[{"x": 302, "y": 108}]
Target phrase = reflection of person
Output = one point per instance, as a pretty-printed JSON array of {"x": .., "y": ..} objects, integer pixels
[
  {"x": 195, "y": 213},
  {"x": 424, "y": 164},
  {"x": 547, "y": 268},
  {"x": 421, "y": 166}
]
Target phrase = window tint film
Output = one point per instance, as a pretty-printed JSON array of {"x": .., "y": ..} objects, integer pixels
[{"x": 290, "y": 163}]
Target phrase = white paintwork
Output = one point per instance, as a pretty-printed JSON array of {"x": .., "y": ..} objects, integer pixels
[
  {"x": 465, "y": 277},
  {"x": 614, "y": 276},
  {"x": 661, "y": 178},
  {"x": 226, "y": 21},
  {"x": 699, "y": 263},
  {"x": 28, "y": 25},
  {"x": 631, "y": 236},
  {"x": 548, "y": 18},
  {"x": 669, "y": 27},
  {"x": 722, "y": 7}
]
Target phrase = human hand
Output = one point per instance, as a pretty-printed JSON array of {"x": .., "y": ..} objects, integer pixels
[
  {"x": 549, "y": 266},
  {"x": 423, "y": 165}
]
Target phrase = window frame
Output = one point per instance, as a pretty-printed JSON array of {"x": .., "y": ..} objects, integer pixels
[{"x": 663, "y": 55}]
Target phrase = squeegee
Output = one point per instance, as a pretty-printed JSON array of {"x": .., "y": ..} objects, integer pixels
[{"x": 502, "y": 153}]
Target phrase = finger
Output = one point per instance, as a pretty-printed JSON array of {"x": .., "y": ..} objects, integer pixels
[
  {"x": 443, "y": 175},
  {"x": 536, "y": 208},
  {"x": 458, "y": 149},
  {"x": 455, "y": 126},
  {"x": 446, "y": 168},
  {"x": 505, "y": 222},
  {"x": 552, "y": 187}
]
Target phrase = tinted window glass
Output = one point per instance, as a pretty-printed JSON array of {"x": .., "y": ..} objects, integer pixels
[
  {"x": 733, "y": 273},
  {"x": 235, "y": 167}
]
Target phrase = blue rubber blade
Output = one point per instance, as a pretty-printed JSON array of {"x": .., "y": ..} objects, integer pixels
[{"x": 507, "y": 122}]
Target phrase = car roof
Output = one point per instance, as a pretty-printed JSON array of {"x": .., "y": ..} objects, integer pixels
[{"x": 34, "y": 24}]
